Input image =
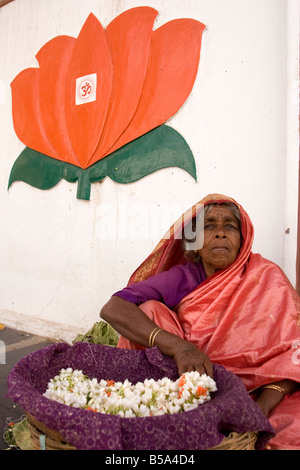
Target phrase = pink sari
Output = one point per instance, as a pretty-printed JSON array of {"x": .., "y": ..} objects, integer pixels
[{"x": 245, "y": 317}]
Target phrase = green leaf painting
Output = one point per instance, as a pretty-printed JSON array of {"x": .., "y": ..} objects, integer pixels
[{"x": 160, "y": 148}]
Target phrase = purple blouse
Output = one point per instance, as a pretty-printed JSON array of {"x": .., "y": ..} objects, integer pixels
[{"x": 168, "y": 287}]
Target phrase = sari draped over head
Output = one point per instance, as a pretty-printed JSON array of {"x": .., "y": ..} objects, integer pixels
[{"x": 244, "y": 317}]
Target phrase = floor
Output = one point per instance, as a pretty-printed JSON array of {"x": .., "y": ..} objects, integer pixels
[{"x": 14, "y": 345}]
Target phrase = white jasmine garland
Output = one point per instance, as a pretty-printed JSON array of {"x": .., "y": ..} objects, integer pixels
[{"x": 148, "y": 398}]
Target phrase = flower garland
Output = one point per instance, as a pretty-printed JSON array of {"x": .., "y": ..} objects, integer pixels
[{"x": 148, "y": 398}]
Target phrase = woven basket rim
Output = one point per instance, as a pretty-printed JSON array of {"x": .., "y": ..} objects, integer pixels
[
  {"x": 55, "y": 441},
  {"x": 238, "y": 441}
]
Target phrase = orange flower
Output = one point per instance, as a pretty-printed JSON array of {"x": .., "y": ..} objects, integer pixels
[
  {"x": 201, "y": 391},
  {"x": 181, "y": 381},
  {"x": 92, "y": 95}
]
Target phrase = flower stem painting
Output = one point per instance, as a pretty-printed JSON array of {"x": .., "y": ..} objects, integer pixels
[{"x": 97, "y": 105}]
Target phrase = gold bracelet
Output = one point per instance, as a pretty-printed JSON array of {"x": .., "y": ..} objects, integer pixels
[
  {"x": 153, "y": 336},
  {"x": 275, "y": 387}
]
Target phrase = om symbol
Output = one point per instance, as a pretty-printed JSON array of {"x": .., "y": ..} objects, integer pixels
[{"x": 86, "y": 89}]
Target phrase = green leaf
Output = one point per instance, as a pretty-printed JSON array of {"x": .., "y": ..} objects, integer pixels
[
  {"x": 41, "y": 171},
  {"x": 163, "y": 147},
  {"x": 100, "y": 333},
  {"x": 160, "y": 148}
]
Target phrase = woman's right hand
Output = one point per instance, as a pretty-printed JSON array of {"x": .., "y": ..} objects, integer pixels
[
  {"x": 132, "y": 323},
  {"x": 189, "y": 358}
]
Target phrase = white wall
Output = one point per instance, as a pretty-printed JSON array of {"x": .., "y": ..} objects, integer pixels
[{"x": 58, "y": 265}]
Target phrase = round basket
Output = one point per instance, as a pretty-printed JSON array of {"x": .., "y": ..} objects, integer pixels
[
  {"x": 200, "y": 428},
  {"x": 43, "y": 438},
  {"x": 238, "y": 441}
]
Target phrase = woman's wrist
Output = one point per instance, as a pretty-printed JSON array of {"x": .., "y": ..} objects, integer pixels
[
  {"x": 268, "y": 399},
  {"x": 166, "y": 342},
  {"x": 272, "y": 394}
]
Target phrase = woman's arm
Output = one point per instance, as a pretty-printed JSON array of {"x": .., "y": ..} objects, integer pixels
[
  {"x": 272, "y": 394},
  {"x": 132, "y": 323}
]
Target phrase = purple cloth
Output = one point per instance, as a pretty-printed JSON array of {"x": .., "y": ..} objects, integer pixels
[
  {"x": 231, "y": 408},
  {"x": 168, "y": 287}
]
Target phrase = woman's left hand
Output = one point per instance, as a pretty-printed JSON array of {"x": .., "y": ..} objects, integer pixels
[
  {"x": 264, "y": 404},
  {"x": 269, "y": 398}
]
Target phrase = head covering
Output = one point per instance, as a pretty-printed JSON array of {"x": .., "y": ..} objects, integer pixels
[{"x": 168, "y": 252}]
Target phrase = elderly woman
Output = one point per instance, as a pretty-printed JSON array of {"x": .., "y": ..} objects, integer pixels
[{"x": 224, "y": 305}]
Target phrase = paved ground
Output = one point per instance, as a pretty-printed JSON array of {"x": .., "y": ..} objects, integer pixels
[{"x": 14, "y": 345}]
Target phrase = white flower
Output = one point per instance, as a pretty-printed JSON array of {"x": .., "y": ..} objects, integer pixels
[{"x": 148, "y": 398}]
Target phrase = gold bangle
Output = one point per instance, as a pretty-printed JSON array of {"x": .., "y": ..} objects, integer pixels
[
  {"x": 275, "y": 387},
  {"x": 153, "y": 335}
]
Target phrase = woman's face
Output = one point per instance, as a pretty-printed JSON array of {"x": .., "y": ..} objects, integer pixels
[{"x": 222, "y": 239}]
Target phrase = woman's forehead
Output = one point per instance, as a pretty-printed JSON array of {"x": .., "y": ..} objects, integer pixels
[{"x": 219, "y": 212}]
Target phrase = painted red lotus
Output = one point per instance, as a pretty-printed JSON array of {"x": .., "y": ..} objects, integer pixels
[{"x": 92, "y": 95}]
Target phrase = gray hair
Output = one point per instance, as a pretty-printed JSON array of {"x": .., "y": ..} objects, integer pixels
[{"x": 190, "y": 253}]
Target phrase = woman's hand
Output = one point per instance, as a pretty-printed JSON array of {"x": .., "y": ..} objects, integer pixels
[
  {"x": 269, "y": 398},
  {"x": 264, "y": 404},
  {"x": 133, "y": 324},
  {"x": 189, "y": 358}
]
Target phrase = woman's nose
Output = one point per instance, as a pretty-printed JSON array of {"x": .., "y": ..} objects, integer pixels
[{"x": 220, "y": 233}]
